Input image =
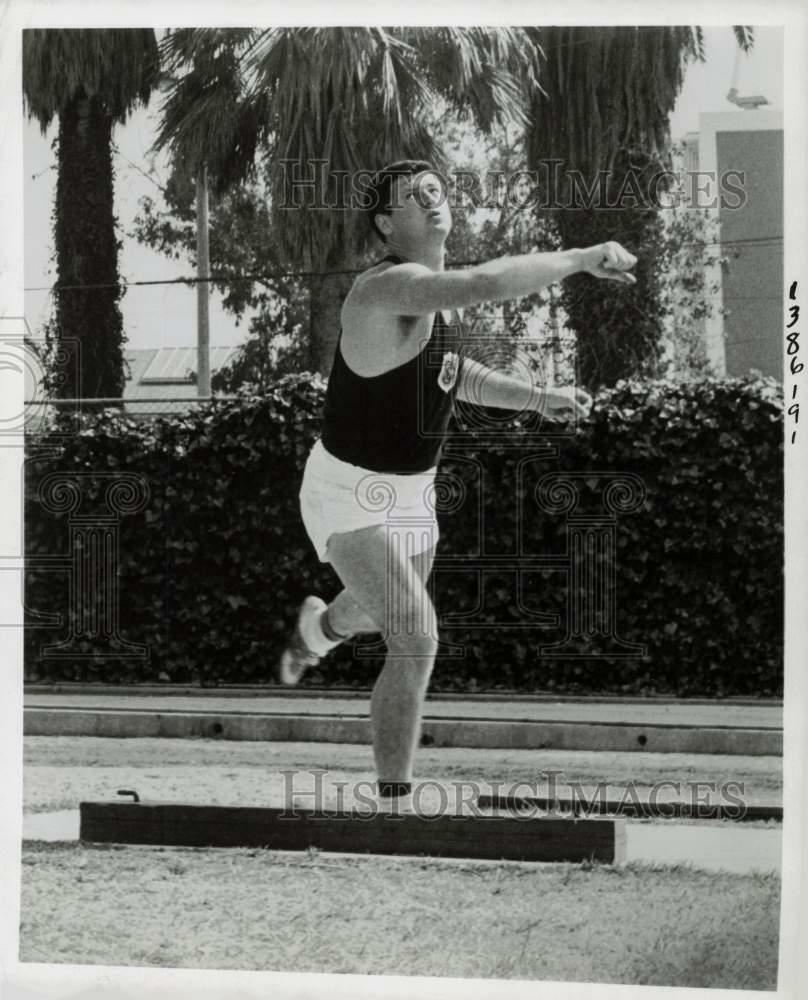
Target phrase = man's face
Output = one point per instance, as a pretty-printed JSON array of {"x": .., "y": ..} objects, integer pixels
[{"x": 420, "y": 209}]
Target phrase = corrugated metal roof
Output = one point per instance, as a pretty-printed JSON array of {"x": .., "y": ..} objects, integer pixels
[
  {"x": 139, "y": 362},
  {"x": 163, "y": 372}
]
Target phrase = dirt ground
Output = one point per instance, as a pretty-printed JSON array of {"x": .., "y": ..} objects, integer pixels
[
  {"x": 59, "y": 772},
  {"x": 268, "y": 910}
]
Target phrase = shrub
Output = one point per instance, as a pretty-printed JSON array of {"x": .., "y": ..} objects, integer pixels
[{"x": 212, "y": 568}]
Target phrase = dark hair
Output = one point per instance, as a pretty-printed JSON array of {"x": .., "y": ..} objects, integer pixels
[{"x": 381, "y": 187}]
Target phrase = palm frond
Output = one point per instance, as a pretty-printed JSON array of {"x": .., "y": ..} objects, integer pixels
[
  {"x": 490, "y": 73},
  {"x": 745, "y": 37},
  {"x": 609, "y": 90},
  {"x": 350, "y": 98},
  {"x": 120, "y": 66},
  {"x": 695, "y": 45},
  {"x": 207, "y": 117}
]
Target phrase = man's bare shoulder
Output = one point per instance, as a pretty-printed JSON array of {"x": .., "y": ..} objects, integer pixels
[
  {"x": 390, "y": 273},
  {"x": 361, "y": 279},
  {"x": 355, "y": 307}
]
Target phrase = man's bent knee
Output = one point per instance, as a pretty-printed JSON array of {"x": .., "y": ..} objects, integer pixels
[{"x": 419, "y": 645}]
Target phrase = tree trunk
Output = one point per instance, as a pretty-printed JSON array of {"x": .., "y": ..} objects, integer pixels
[
  {"x": 327, "y": 295},
  {"x": 619, "y": 328},
  {"x": 88, "y": 327}
]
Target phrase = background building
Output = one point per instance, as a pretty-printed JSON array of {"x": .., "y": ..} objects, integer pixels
[{"x": 738, "y": 159}]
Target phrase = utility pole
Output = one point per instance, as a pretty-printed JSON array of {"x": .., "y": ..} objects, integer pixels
[{"x": 202, "y": 286}]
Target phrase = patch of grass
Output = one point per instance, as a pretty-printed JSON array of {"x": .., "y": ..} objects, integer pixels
[{"x": 314, "y": 912}]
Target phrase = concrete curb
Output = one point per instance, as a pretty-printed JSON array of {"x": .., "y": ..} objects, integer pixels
[
  {"x": 476, "y": 733},
  {"x": 279, "y": 691}
]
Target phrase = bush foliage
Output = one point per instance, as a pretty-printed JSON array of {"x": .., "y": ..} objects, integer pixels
[{"x": 213, "y": 566}]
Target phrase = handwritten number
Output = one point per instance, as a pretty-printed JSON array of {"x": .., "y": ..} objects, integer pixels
[{"x": 792, "y": 350}]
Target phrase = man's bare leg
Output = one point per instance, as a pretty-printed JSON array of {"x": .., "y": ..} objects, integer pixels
[
  {"x": 346, "y": 617},
  {"x": 396, "y": 707},
  {"x": 387, "y": 586},
  {"x": 316, "y": 632}
]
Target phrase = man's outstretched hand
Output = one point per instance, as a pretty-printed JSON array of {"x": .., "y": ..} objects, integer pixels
[
  {"x": 610, "y": 261},
  {"x": 564, "y": 403}
]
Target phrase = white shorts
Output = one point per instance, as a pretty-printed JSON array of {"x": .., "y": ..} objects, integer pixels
[{"x": 336, "y": 496}]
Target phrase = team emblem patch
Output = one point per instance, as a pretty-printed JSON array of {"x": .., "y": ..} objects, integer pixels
[{"x": 448, "y": 372}]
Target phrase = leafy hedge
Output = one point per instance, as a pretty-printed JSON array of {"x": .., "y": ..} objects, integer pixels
[{"x": 214, "y": 565}]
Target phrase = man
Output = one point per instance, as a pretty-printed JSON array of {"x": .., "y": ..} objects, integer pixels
[{"x": 367, "y": 492}]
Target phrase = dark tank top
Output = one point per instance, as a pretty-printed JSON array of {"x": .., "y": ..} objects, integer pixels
[{"x": 395, "y": 422}]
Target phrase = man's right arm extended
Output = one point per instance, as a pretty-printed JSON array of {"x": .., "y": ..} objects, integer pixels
[{"x": 413, "y": 289}]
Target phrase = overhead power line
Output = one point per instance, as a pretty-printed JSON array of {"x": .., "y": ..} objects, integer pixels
[{"x": 220, "y": 278}]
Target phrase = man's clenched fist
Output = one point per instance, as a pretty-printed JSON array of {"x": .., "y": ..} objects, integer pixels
[{"x": 609, "y": 260}]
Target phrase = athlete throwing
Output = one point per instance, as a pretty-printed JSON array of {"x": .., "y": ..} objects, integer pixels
[{"x": 367, "y": 496}]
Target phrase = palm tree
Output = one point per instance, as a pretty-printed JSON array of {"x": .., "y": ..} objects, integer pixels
[
  {"x": 609, "y": 88},
  {"x": 90, "y": 80},
  {"x": 608, "y": 93},
  {"x": 346, "y": 99}
]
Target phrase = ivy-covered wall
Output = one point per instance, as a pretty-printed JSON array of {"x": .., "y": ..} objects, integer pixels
[{"x": 650, "y": 546}]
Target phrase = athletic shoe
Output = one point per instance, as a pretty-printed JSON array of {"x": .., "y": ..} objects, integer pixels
[
  {"x": 395, "y": 806},
  {"x": 298, "y": 657}
]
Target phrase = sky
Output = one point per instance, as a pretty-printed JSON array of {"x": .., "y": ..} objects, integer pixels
[{"x": 157, "y": 316}]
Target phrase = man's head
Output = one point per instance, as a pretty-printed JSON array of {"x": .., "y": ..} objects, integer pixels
[{"x": 408, "y": 202}]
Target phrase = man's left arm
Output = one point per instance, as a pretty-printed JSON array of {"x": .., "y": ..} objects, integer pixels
[{"x": 486, "y": 387}]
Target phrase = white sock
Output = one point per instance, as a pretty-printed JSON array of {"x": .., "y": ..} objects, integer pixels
[{"x": 313, "y": 635}]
